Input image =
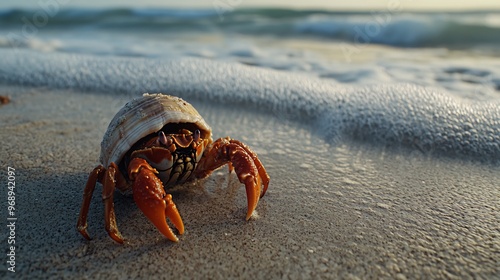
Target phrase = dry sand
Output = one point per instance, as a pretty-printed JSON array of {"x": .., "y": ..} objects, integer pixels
[{"x": 348, "y": 211}]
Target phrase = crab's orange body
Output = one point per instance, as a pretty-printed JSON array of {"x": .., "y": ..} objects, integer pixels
[{"x": 157, "y": 141}]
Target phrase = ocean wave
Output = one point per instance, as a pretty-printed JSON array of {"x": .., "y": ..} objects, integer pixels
[
  {"x": 30, "y": 43},
  {"x": 454, "y": 30},
  {"x": 394, "y": 114},
  {"x": 91, "y": 15},
  {"x": 402, "y": 31}
]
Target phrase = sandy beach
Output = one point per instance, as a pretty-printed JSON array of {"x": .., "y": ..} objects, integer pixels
[{"x": 346, "y": 210}]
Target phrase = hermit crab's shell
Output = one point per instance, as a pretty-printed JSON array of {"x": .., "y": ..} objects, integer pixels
[{"x": 143, "y": 116}]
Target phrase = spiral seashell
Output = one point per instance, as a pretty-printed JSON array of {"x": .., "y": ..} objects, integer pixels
[{"x": 144, "y": 116}]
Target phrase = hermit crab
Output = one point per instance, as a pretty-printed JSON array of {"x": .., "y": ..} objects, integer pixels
[{"x": 155, "y": 142}]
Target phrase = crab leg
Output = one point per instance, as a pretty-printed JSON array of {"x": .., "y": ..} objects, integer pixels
[
  {"x": 151, "y": 198},
  {"x": 260, "y": 167},
  {"x": 94, "y": 177},
  {"x": 109, "y": 184},
  {"x": 242, "y": 160}
]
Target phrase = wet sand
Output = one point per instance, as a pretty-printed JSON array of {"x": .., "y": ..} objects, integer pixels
[{"x": 345, "y": 210}]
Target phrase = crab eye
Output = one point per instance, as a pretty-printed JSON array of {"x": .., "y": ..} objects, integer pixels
[
  {"x": 162, "y": 138},
  {"x": 197, "y": 135}
]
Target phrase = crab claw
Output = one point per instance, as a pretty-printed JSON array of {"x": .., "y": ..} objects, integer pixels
[{"x": 151, "y": 198}]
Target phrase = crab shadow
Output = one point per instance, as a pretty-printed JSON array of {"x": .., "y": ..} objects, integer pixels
[{"x": 49, "y": 206}]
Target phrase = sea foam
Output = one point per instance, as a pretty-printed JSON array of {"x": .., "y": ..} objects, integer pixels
[{"x": 401, "y": 114}]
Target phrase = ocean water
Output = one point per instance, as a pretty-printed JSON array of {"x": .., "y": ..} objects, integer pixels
[{"x": 428, "y": 81}]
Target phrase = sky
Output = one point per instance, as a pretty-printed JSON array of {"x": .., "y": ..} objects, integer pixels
[{"x": 333, "y": 5}]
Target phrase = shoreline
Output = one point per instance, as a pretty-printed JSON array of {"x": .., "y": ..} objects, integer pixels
[{"x": 345, "y": 210}]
